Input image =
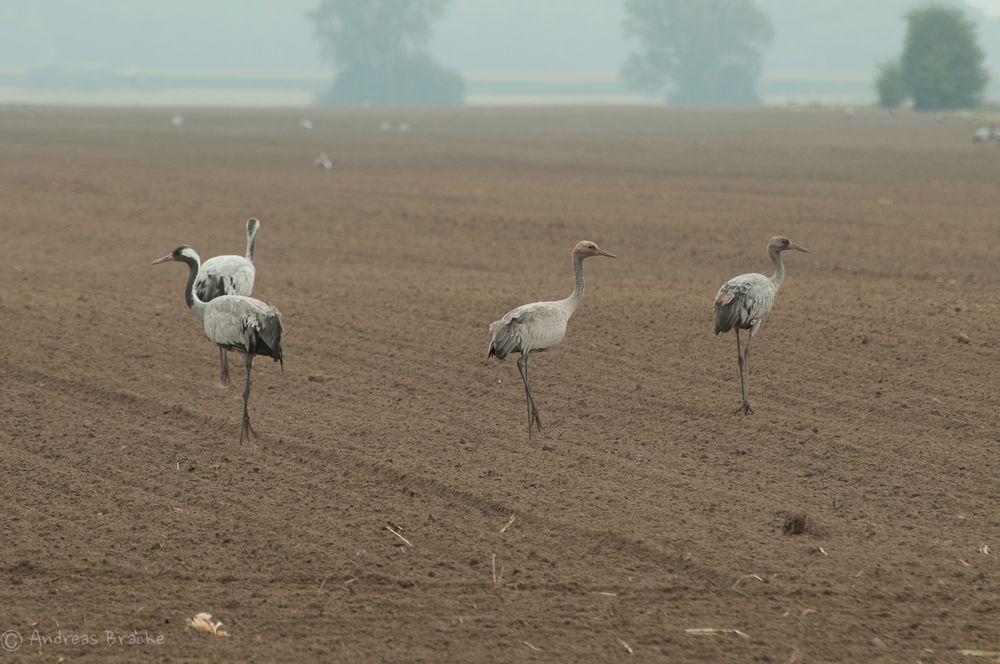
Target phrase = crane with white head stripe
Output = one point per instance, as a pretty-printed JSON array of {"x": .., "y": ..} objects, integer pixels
[
  {"x": 235, "y": 323},
  {"x": 228, "y": 275}
]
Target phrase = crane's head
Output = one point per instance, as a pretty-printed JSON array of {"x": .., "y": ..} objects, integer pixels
[
  {"x": 779, "y": 244},
  {"x": 182, "y": 254},
  {"x": 586, "y": 248},
  {"x": 253, "y": 225}
]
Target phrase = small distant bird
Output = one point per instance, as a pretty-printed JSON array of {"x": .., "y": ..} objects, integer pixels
[
  {"x": 322, "y": 161},
  {"x": 982, "y": 135},
  {"x": 306, "y": 123},
  {"x": 744, "y": 301},
  {"x": 385, "y": 125},
  {"x": 849, "y": 111},
  {"x": 235, "y": 323},
  {"x": 228, "y": 275},
  {"x": 177, "y": 120},
  {"x": 537, "y": 327},
  {"x": 403, "y": 126}
]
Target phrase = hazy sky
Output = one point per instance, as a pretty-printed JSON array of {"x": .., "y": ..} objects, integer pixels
[
  {"x": 474, "y": 35},
  {"x": 991, "y": 7}
]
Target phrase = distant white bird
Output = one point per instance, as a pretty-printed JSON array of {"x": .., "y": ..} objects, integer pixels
[
  {"x": 403, "y": 126},
  {"x": 228, "y": 275},
  {"x": 537, "y": 327},
  {"x": 982, "y": 135},
  {"x": 322, "y": 161},
  {"x": 744, "y": 301},
  {"x": 177, "y": 120},
  {"x": 385, "y": 125},
  {"x": 240, "y": 324},
  {"x": 306, "y": 123}
]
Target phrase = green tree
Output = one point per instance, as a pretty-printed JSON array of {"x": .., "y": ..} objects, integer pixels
[
  {"x": 942, "y": 63},
  {"x": 890, "y": 85},
  {"x": 697, "y": 52},
  {"x": 379, "y": 50}
]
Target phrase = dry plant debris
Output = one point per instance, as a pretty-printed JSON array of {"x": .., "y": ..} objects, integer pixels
[
  {"x": 202, "y": 622},
  {"x": 716, "y": 631}
]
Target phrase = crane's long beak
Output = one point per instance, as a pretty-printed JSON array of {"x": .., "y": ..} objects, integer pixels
[
  {"x": 168, "y": 257},
  {"x": 601, "y": 252},
  {"x": 792, "y": 245}
]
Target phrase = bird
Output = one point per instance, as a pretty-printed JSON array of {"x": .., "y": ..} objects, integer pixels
[
  {"x": 322, "y": 161},
  {"x": 982, "y": 135},
  {"x": 744, "y": 301},
  {"x": 537, "y": 327},
  {"x": 228, "y": 275},
  {"x": 236, "y": 323}
]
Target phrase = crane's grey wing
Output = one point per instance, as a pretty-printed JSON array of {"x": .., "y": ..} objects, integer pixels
[
  {"x": 224, "y": 275},
  {"x": 245, "y": 325},
  {"x": 743, "y": 301},
  {"x": 530, "y": 327}
]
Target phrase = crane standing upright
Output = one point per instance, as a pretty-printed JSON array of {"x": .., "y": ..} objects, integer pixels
[
  {"x": 235, "y": 323},
  {"x": 537, "y": 327},
  {"x": 228, "y": 275},
  {"x": 744, "y": 301}
]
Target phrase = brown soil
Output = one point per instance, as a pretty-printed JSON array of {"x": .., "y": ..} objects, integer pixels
[{"x": 645, "y": 509}]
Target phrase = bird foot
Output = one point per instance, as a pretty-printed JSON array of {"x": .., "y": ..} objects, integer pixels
[
  {"x": 537, "y": 421},
  {"x": 246, "y": 430},
  {"x": 745, "y": 409}
]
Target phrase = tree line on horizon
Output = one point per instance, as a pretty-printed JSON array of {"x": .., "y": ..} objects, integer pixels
[{"x": 692, "y": 52}]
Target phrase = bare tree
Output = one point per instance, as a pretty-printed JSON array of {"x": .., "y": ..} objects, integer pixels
[
  {"x": 697, "y": 51},
  {"x": 379, "y": 50}
]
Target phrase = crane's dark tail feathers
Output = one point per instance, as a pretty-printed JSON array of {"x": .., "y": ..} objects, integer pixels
[
  {"x": 727, "y": 312},
  {"x": 502, "y": 344},
  {"x": 266, "y": 339}
]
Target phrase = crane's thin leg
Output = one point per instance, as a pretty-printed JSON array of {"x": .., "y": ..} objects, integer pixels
[
  {"x": 246, "y": 429},
  {"x": 745, "y": 407},
  {"x": 533, "y": 418},
  {"x": 224, "y": 360},
  {"x": 746, "y": 366}
]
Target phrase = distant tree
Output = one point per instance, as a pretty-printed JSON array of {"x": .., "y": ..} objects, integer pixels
[
  {"x": 379, "y": 50},
  {"x": 890, "y": 85},
  {"x": 942, "y": 63},
  {"x": 697, "y": 52}
]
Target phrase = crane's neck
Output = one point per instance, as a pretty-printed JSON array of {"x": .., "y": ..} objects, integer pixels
[
  {"x": 573, "y": 301},
  {"x": 190, "y": 295},
  {"x": 779, "y": 269},
  {"x": 251, "y": 240}
]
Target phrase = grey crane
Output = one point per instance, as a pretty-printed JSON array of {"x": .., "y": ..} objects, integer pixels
[
  {"x": 235, "y": 323},
  {"x": 744, "y": 301},
  {"x": 228, "y": 275},
  {"x": 537, "y": 327}
]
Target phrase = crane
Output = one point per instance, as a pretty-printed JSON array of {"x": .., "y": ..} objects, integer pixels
[
  {"x": 235, "y": 323},
  {"x": 744, "y": 301},
  {"x": 537, "y": 327},
  {"x": 228, "y": 275}
]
